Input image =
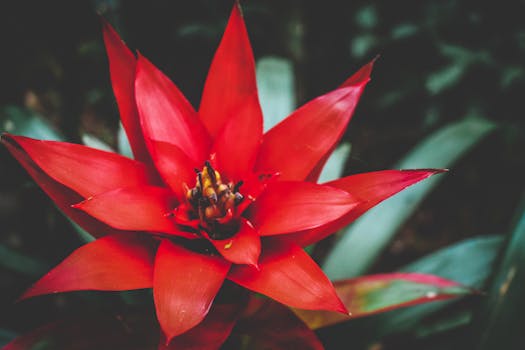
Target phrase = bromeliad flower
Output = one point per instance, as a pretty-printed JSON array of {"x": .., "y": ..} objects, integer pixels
[{"x": 208, "y": 197}]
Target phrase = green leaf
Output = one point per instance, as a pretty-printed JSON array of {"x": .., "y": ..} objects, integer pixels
[
  {"x": 94, "y": 142},
  {"x": 6, "y": 336},
  {"x": 20, "y": 263},
  {"x": 275, "y": 82},
  {"x": 83, "y": 234},
  {"x": 22, "y": 121},
  {"x": 373, "y": 294},
  {"x": 476, "y": 258},
  {"x": 335, "y": 165},
  {"x": 452, "y": 320},
  {"x": 499, "y": 324},
  {"x": 469, "y": 263},
  {"x": 124, "y": 147},
  {"x": 365, "y": 239},
  {"x": 445, "y": 78}
]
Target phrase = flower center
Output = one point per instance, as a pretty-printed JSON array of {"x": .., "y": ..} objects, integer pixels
[{"x": 214, "y": 203}]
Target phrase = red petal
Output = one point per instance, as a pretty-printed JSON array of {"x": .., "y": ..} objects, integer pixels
[
  {"x": 243, "y": 248},
  {"x": 372, "y": 188},
  {"x": 175, "y": 167},
  {"x": 185, "y": 284},
  {"x": 210, "y": 334},
  {"x": 61, "y": 195},
  {"x": 166, "y": 115},
  {"x": 296, "y": 146},
  {"x": 122, "y": 65},
  {"x": 231, "y": 78},
  {"x": 288, "y": 206},
  {"x": 144, "y": 208},
  {"x": 287, "y": 274},
  {"x": 362, "y": 76},
  {"x": 117, "y": 262},
  {"x": 85, "y": 170},
  {"x": 237, "y": 145}
]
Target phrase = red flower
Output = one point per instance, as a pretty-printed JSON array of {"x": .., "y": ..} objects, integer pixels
[{"x": 208, "y": 197}]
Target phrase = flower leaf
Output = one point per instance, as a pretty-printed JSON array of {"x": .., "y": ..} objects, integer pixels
[
  {"x": 476, "y": 256},
  {"x": 275, "y": 82},
  {"x": 18, "y": 262},
  {"x": 500, "y": 320},
  {"x": 383, "y": 292},
  {"x": 21, "y": 121},
  {"x": 365, "y": 239},
  {"x": 335, "y": 166},
  {"x": 96, "y": 143}
]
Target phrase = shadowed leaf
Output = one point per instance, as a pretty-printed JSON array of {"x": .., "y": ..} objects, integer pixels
[
  {"x": 362, "y": 242},
  {"x": 383, "y": 292}
]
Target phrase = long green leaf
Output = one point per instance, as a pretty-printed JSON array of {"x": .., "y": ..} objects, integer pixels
[
  {"x": 499, "y": 324},
  {"x": 6, "y": 336},
  {"x": 21, "y": 263},
  {"x": 366, "y": 238},
  {"x": 275, "y": 83},
  {"x": 469, "y": 262},
  {"x": 335, "y": 165},
  {"x": 124, "y": 147},
  {"x": 21, "y": 121},
  {"x": 94, "y": 142}
]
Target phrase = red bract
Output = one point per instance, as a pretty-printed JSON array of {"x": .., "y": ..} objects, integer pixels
[{"x": 208, "y": 196}]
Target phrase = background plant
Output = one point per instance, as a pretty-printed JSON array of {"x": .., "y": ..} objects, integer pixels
[{"x": 450, "y": 75}]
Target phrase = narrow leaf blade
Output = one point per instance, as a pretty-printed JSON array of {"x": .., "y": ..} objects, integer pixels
[
  {"x": 365, "y": 239},
  {"x": 500, "y": 322},
  {"x": 275, "y": 82}
]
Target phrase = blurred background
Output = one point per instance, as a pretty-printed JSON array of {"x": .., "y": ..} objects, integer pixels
[{"x": 450, "y": 73}]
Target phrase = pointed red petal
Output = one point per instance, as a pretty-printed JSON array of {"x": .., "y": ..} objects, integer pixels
[
  {"x": 175, "y": 167},
  {"x": 185, "y": 284},
  {"x": 296, "y": 146},
  {"x": 210, "y": 334},
  {"x": 166, "y": 115},
  {"x": 122, "y": 65},
  {"x": 289, "y": 206},
  {"x": 85, "y": 170},
  {"x": 237, "y": 145},
  {"x": 231, "y": 79},
  {"x": 144, "y": 208},
  {"x": 372, "y": 188},
  {"x": 362, "y": 76},
  {"x": 243, "y": 248},
  {"x": 287, "y": 274},
  {"x": 61, "y": 195},
  {"x": 117, "y": 262}
]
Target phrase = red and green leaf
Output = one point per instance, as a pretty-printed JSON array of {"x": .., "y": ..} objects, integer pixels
[{"x": 373, "y": 294}]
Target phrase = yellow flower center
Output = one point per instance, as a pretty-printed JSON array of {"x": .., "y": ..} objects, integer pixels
[{"x": 213, "y": 201}]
